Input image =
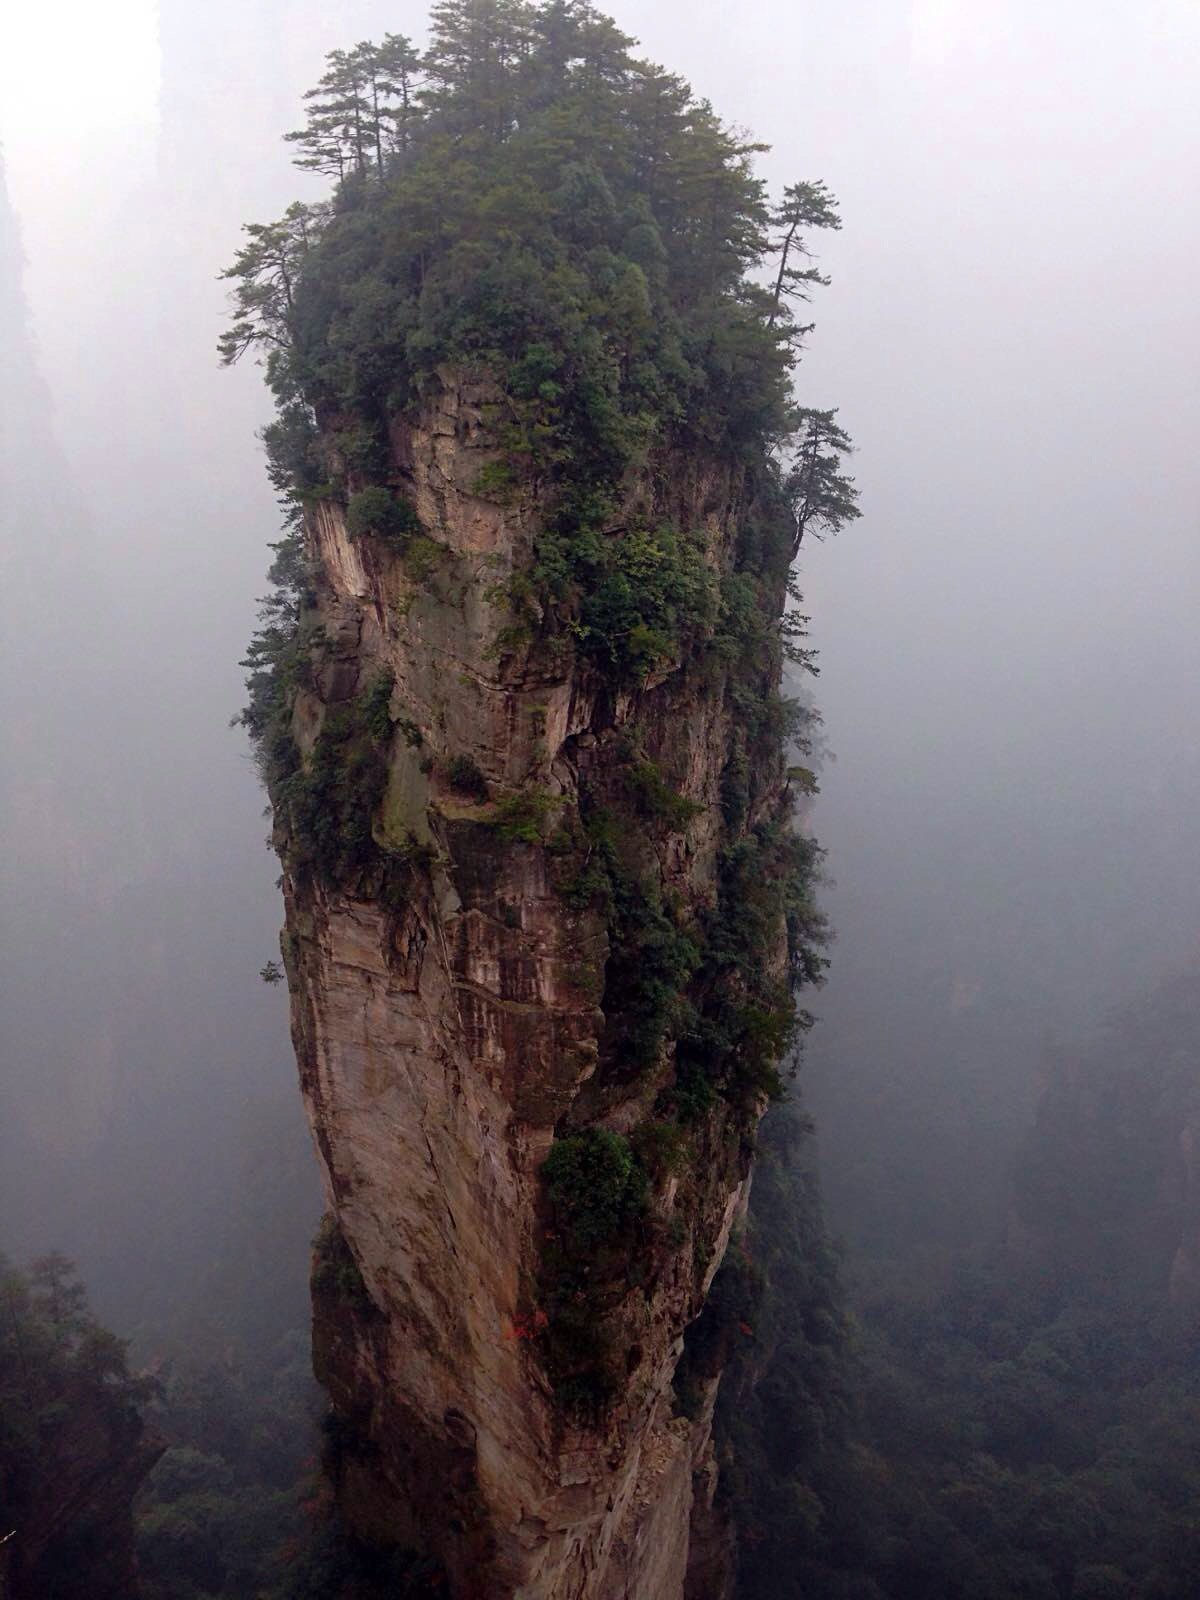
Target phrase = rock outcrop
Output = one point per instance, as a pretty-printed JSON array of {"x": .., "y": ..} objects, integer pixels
[{"x": 461, "y": 998}]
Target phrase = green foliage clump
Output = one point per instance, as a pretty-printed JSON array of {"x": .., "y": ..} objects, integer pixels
[
  {"x": 327, "y": 803},
  {"x": 377, "y": 704},
  {"x": 768, "y": 874},
  {"x": 541, "y": 206},
  {"x": 497, "y": 481},
  {"x": 805, "y": 780},
  {"x": 335, "y": 1272},
  {"x": 595, "y": 1186},
  {"x": 421, "y": 557},
  {"x": 464, "y": 774},
  {"x": 735, "y": 789},
  {"x": 694, "y": 1092},
  {"x": 749, "y": 1024},
  {"x": 645, "y": 597},
  {"x": 279, "y": 662},
  {"x": 595, "y": 1195},
  {"x": 656, "y": 800},
  {"x": 377, "y": 512},
  {"x": 360, "y": 451},
  {"x": 523, "y": 818},
  {"x": 652, "y": 957},
  {"x": 291, "y": 444},
  {"x": 651, "y": 961},
  {"x": 664, "y": 1149},
  {"x": 741, "y": 1023}
]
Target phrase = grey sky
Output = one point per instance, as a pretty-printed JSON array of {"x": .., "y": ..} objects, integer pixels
[{"x": 1008, "y": 636}]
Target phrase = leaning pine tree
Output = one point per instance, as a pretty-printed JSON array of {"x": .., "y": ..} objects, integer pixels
[{"x": 517, "y": 703}]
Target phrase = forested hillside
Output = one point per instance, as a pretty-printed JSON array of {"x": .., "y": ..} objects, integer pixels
[
  {"x": 73, "y": 1444},
  {"x": 1017, "y": 1419}
]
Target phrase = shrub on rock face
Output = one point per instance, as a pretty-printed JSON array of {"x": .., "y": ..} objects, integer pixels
[
  {"x": 663, "y": 1148},
  {"x": 377, "y": 511},
  {"x": 523, "y": 818},
  {"x": 595, "y": 1184},
  {"x": 596, "y": 1189}
]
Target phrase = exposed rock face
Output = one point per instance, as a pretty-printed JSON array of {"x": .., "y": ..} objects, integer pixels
[{"x": 448, "y": 1029}]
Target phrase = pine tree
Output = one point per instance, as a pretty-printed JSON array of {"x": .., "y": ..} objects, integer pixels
[
  {"x": 265, "y": 272},
  {"x": 804, "y": 205},
  {"x": 823, "y": 499},
  {"x": 58, "y": 1296},
  {"x": 397, "y": 69},
  {"x": 341, "y": 130},
  {"x": 475, "y": 47}
]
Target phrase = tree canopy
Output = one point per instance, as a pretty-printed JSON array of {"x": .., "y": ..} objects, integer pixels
[
  {"x": 70, "y": 1424},
  {"x": 530, "y": 198}
]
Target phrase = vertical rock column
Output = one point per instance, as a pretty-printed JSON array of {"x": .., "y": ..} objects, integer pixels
[{"x": 453, "y": 1004}]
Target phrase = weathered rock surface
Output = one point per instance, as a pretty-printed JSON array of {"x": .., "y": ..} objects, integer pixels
[{"x": 445, "y": 1034}]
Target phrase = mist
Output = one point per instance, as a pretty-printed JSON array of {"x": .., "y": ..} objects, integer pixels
[{"x": 1007, "y": 638}]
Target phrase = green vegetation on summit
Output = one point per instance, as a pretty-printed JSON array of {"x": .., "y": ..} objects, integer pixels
[{"x": 529, "y": 200}]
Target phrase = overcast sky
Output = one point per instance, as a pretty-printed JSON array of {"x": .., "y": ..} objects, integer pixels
[{"x": 1008, "y": 636}]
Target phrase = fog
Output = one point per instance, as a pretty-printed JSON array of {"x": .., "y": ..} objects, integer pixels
[{"x": 1007, "y": 637}]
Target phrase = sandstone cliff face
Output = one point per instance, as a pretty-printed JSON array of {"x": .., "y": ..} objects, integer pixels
[{"x": 453, "y": 1012}]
